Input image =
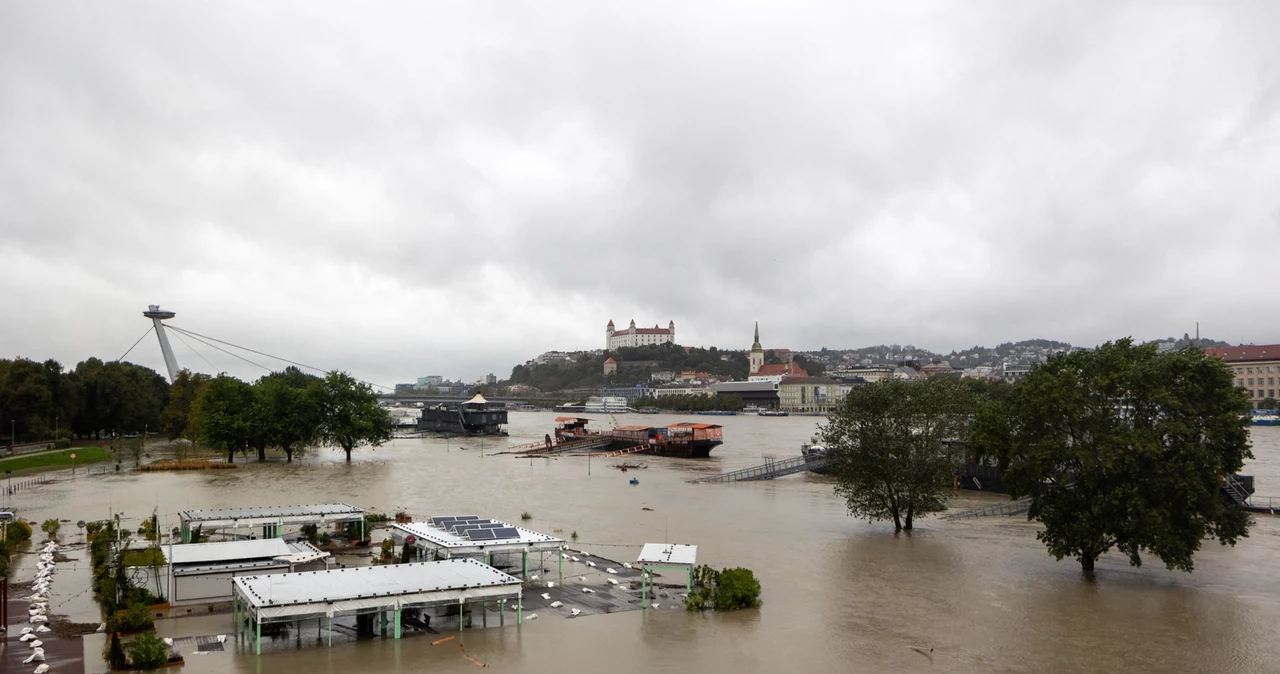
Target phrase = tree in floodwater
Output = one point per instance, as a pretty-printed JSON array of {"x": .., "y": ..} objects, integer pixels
[
  {"x": 887, "y": 446},
  {"x": 222, "y": 413},
  {"x": 177, "y": 419},
  {"x": 288, "y": 410},
  {"x": 1123, "y": 447},
  {"x": 350, "y": 415}
]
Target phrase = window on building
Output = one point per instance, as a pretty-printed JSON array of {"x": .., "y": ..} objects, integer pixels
[
  {"x": 1271, "y": 381},
  {"x": 1250, "y": 370},
  {"x": 1251, "y": 381}
]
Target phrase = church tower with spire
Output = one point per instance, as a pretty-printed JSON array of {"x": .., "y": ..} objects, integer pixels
[{"x": 756, "y": 358}]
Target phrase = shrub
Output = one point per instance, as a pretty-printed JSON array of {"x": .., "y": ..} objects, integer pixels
[
  {"x": 114, "y": 654},
  {"x": 737, "y": 588},
  {"x": 134, "y": 619},
  {"x": 148, "y": 651},
  {"x": 144, "y": 557},
  {"x": 17, "y": 532},
  {"x": 51, "y": 526},
  {"x": 94, "y": 527},
  {"x": 312, "y": 532},
  {"x": 525, "y": 515},
  {"x": 726, "y": 590}
]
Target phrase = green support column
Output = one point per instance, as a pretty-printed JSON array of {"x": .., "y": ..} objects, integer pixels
[
  {"x": 525, "y": 559},
  {"x": 235, "y": 612},
  {"x": 362, "y": 527},
  {"x": 484, "y": 614},
  {"x": 644, "y": 588},
  {"x": 330, "y": 630},
  {"x": 258, "y": 639},
  {"x": 562, "y": 568},
  {"x": 383, "y": 622},
  {"x": 502, "y": 613},
  {"x": 462, "y": 608},
  {"x": 397, "y": 619},
  {"x": 688, "y": 581},
  {"x": 520, "y": 609}
]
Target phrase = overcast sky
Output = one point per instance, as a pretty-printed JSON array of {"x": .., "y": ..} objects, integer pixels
[{"x": 403, "y": 189}]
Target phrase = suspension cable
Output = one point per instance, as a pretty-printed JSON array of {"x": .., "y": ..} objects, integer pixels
[
  {"x": 215, "y": 346},
  {"x": 193, "y": 350},
  {"x": 144, "y": 336},
  {"x": 194, "y": 335}
]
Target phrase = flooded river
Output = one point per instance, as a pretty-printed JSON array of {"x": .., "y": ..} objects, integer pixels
[{"x": 840, "y": 595}]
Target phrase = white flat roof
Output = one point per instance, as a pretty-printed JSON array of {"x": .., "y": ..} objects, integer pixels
[
  {"x": 432, "y": 537},
  {"x": 230, "y": 551},
  {"x": 668, "y": 553},
  {"x": 325, "y": 512},
  {"x": 345, "y": 590}
]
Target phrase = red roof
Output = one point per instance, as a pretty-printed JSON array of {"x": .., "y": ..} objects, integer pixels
[
  {"x": 559, "y": 419},
  {"x": 633, "y": 428},
  {"x": 1233, "y": 354},
  {"x": 610, "y": 360},
  {"x": 786, "y": 370},
  {"x": 687, "y": 424}
]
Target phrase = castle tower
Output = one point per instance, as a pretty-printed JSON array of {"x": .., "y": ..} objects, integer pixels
[
  {"x": 756, "y": 358},
  {"x": 608, "y": 336},
  {"x": 671, "y": 328},
  {"x": 156, "y": 314}
]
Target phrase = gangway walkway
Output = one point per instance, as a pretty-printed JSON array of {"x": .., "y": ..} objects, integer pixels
[
  {"x": 766, "y": 471},
  {"x": 587, "y": 443},
  {"x": 1006, "y": 508}
]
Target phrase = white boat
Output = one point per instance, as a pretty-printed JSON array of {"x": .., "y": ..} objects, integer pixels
[{"x": 606, "y": 405}]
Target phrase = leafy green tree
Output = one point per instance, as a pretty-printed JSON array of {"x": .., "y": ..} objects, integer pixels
[
  {"x": 115, "y": 656},
  {"x": 1126, "y": 448},
  {"x": 351, "y": 415},
  {"x": 183, "y": 394},
  {"x": 288, "y": 405},
  {"x": 1268, "y": 404},
  {"x": 737, "y": 588},
  {"x": 886, "y": 446},
  {"x": 222, "y": 414},
  {"x": 148, "y": 651}
]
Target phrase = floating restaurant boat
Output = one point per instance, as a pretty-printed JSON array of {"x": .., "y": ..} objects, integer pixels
[
  {"x": 474, "y": 417},
  {"x": 772, "y": 413},
  {"x": 1264, "y": 418}
]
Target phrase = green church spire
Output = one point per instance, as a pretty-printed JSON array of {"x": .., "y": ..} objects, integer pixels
[{"x": 756, "y": 346}]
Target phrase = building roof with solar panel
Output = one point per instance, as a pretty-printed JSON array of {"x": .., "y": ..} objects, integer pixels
[{"x": 472, "y": 534}]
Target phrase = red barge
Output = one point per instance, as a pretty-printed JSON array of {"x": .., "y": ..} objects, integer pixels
[{"x": 684, "y": 439}]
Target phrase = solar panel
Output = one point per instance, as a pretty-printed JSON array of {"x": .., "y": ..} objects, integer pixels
[
  {"x": 480, "y": 534},
  {"x": 506, "y": 532},
  {"x": 442, "y": 520},
  {"x": 463, "y": 529},
  {"x": 455, "y": 526},
  {"x": 468, "y": 517},
  {"x": 492, "y": 525}
]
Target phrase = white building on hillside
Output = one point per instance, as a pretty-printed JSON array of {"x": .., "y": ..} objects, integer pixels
[{"x": 633, "y": 336}]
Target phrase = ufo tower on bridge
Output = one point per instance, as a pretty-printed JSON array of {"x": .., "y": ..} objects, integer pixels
[{"x": 157, "y": 315}]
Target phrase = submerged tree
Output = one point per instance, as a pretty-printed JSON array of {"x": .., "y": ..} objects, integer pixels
[
  {"x": 351, "y": 415},
  {"x": 289, "y": 404},
  {"x": 223, "y": 415},
  {"x": 1126, "y": 448},
  {"x": 888, "y": 447},
  {"x": 177, "y": 418}
]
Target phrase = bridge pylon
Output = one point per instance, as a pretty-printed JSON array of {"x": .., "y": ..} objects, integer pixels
[{"x": 157, "y": 315}]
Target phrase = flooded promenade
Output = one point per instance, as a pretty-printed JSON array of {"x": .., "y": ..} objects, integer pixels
[{"x": 840, "y": 595}]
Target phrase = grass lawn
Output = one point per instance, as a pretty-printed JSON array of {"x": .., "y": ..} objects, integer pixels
[{"x": 58, "y": 459}]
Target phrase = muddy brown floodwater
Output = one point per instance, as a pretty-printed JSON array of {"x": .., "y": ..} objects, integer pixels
[{"x": 840, "y": 595}]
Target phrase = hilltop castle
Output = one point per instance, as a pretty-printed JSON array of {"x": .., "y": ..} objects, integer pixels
[{"x": 633, "y": 336}]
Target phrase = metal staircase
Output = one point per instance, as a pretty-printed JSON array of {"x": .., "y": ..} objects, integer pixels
[{"x": 765, "y": 471}]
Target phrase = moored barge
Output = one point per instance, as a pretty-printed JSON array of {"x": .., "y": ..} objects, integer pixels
[
  {"x": 474, "y": 417},
  {"x": 684, "y": 439}
]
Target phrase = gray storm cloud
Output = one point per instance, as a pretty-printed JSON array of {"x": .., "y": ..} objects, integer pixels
[{"x": 400, "y": 188}]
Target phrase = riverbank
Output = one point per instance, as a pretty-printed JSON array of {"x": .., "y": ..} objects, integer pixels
[{"x": 58, "y": 458}]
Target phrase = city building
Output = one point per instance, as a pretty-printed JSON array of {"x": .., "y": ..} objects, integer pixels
[
  {"x": 662, "y": 376},
  {"x": 610, "y": 366},
  {"x": 777, "y": 372},
  {"x": 430, "y": 381},
  {"x": 1255, "y": 368},
  {"x": 809, "y": 394},
  {"x": 630, "y": 393},
  {"x": 552, "y": 357},
  {"x": 633, "y": 336},
  {"x": 753, "y": 393},
  {"x": 490, "y": 379},
  {"x": 938, "y": 366},
  {"x": 871, "y": 374},
  {"x": 681, "y": 390}
]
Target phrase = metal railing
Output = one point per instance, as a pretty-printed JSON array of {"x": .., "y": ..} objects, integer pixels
[
  {"x": 765, "y": 471},
  {"x": 1006, "y": 508}
]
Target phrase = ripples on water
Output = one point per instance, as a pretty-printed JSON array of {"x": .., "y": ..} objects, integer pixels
[{"x": 839, "y": 594}]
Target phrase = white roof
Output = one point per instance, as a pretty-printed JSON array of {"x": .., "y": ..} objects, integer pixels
[
  {"x": 668, "y": 553},
  {"x": 344, "y": 590},
  {"x": 296, "y": 514},
  {"x": 230, "y": 551},
  {"x": 429, "y": 537},
  {"x": 303, "y": 552},
  {"x": 478, "y": 400}
]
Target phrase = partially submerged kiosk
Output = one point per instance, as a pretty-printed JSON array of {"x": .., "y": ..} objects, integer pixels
[
  {"x": 368, "y": 592},
  {"x": 270, "y": 519},
  {"x": 665, "y": 556},
  {"x": 471, "y": 537}
]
